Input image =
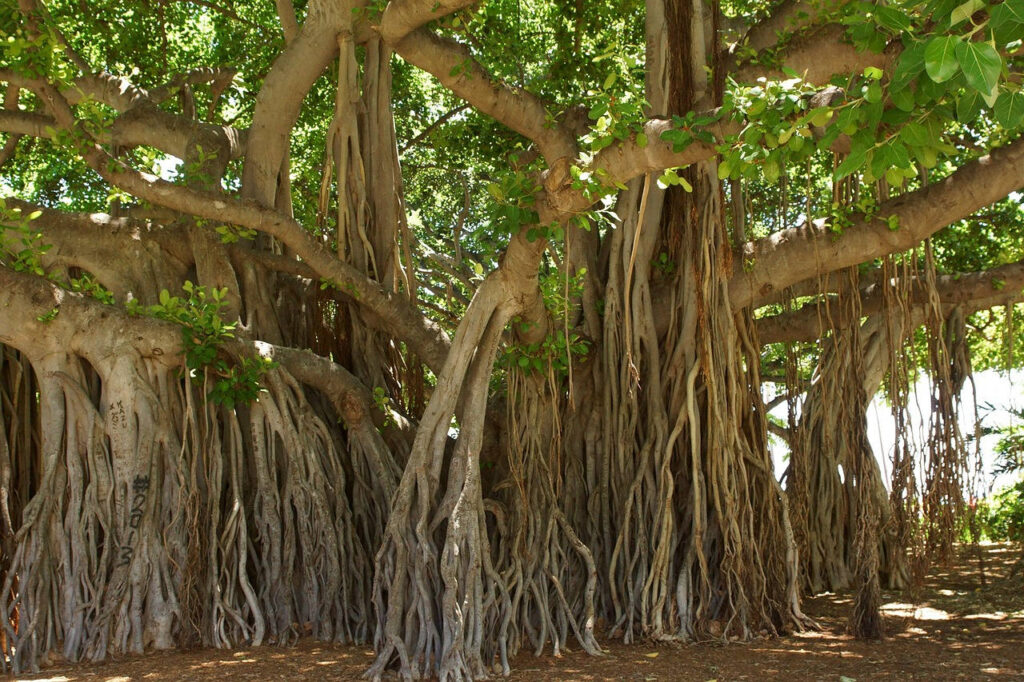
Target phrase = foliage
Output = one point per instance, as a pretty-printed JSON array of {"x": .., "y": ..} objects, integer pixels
[
  {"x": 1001, "y": 516},
  {"x": 559, "y": 349},
  {"x": 203, "y": 335},
  {"x": 21, "y": 246}
]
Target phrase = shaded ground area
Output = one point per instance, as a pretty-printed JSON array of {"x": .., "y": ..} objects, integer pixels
[{"x": 957, "y": 630}]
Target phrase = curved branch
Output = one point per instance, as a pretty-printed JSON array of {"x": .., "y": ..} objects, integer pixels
[
  {"x": 147, "y": 124},
  {"x": 394, "y": 311},
  {"x": 453, "y": 65},
  {"x": 620, "y": 163},
  {"x": 286, "y": 15},
  {"x": 786, "y": 257},
  {"x": 280, "y": 98},
  {"x": 140, "y": 123}
]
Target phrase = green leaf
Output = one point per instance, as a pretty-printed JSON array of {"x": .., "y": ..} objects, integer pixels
[
  {"x": 1009, "y": 109},
  {"x": 981, "y": 65},
  {"x": 874, "y": 93},
  {"x": 968, "y": 107},
  {"x": 902, "y": 98},
  {"x": 880, "y": 161},
  {"x": 1009, "y": 11},
  {"x": 892, "y": 19},
  {"x": 851, "y": 163},
  {"x": 873, "y": 72},
  {"x": 641, "y": 140},
  {"x": 991, "y": 97},
  {"x": 1016, "y": 7},
  {"x": 940, "y": 60},
  {"x": 916, "y": 135},
  {"x": 898, "y": 155},
  {"x": 821, "y": 116},
  {"x": 927, "y": 156},
  {"x": 911, "y": 64},
  {"x": 965, "y": 11}
]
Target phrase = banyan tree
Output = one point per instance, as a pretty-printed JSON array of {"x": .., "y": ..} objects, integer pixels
[{"x": 445, "y": 325}]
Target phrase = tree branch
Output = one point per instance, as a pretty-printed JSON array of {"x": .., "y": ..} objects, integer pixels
[
  {"x": 788, "y": 17},
  {"x": 402, "y": 17},
  {"x": 140, "y": 123},
  {"x": 819, "y": 55},
  {"x": 289, "y": 24},
  {"x": 25, "y": 123},
  {"x": 395, "y": 312},
  {"x": 280, "y": 98},
  {"x": 454, "y": 66},
  {"x": 10, "y": 104},
  {"x": 620, "y": 163},
  {"x": 220, "y": 77},
  {"x": 433, "y": 126},
  {"x": 774, "y": 262},
  {"x": 85, "y": 326},
  {"x": 974, "y": 290}
]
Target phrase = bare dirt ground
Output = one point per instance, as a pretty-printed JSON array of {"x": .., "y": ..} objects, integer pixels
[{"x": 957, "y": 630}]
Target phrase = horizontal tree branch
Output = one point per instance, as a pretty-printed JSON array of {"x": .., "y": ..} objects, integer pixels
[
  {"x": 817, "y": 56},
  {"x": 25, "y": 123},
  {"x": 40, "y": 318},
  {"x": 619, "y": 163},
  {"x": 974, "y": 290},
  {"x": 788, "y": 17}
]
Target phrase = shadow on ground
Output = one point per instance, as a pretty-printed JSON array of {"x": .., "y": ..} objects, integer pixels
[{"x": 960, "y": 628}]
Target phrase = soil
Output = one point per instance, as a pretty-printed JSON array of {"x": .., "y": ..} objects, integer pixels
[{"x": 962, "y": 627}]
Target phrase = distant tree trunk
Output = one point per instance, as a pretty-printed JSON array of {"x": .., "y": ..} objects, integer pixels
[{"x": 823, "y": 490}]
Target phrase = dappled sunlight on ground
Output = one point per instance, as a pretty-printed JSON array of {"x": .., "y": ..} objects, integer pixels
[{"x": 957, "y": 630}]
